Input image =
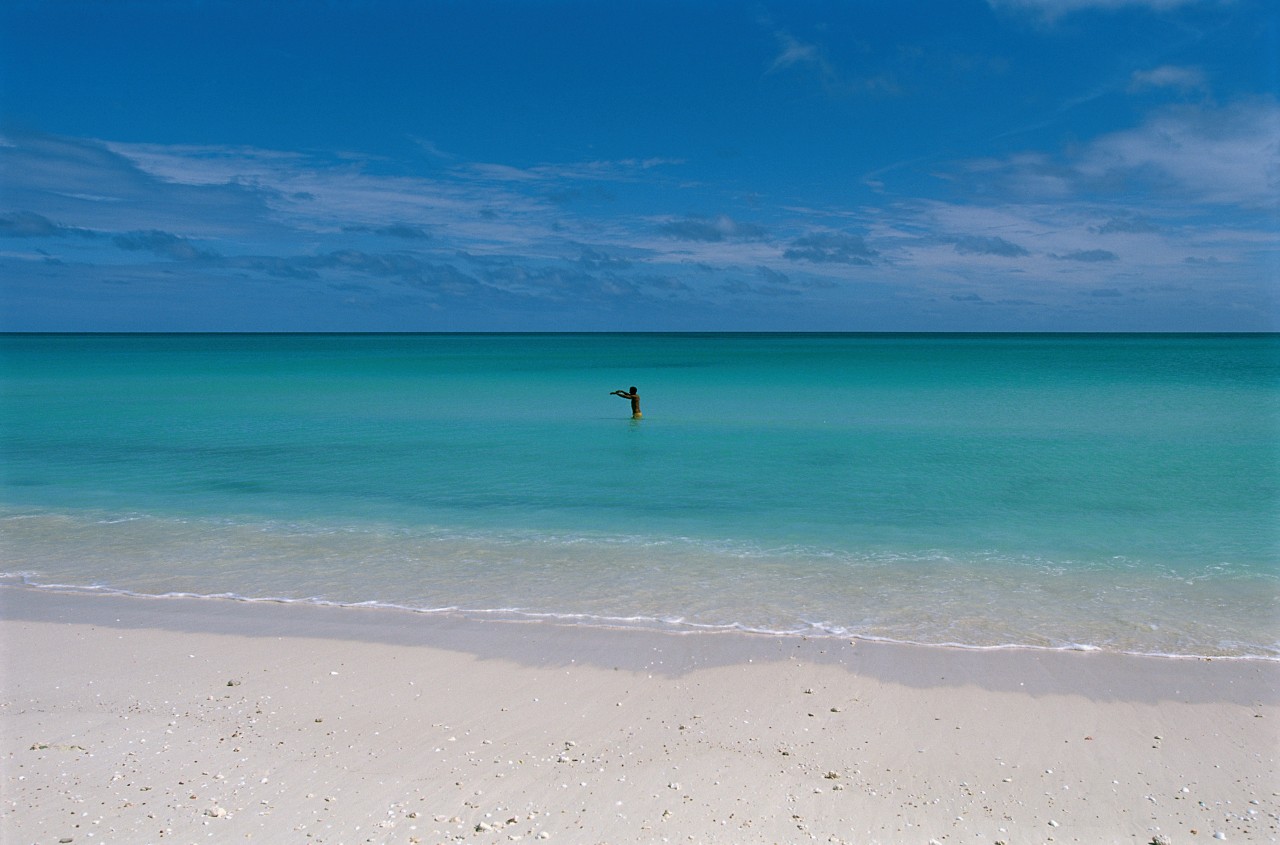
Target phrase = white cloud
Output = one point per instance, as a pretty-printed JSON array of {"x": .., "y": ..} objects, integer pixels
[
  {"x": 947, "y": 246},
  {"x": 623, "y": 170},
  {"x": 1226, "y": 155},
  {"x": 206, "y": 165},
  {"x": 1168, "y": 76},
  {"x": 1052, "y": 9},
  {"x": 1036, "y": 226},
  {"x": 1217, "y": 155},
  {"x": 429, "y": 147},
  {"x": 796, "y": 52},
  {"x": 481, "y": 210}
]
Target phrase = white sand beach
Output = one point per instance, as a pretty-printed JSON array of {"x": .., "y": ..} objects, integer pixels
[{"x": 131, "y": 720}]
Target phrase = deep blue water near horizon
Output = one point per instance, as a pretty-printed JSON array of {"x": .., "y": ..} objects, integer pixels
[{"x": 1104, "y": 491}]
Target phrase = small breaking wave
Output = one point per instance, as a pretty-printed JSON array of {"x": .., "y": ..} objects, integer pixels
[{"x": 674, "y": 624}]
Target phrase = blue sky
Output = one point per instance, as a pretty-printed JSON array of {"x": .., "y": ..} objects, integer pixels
[{"x": 1008, "y": 165}]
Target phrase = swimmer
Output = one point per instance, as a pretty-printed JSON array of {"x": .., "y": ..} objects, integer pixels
[{"x": 635, "y": 401}]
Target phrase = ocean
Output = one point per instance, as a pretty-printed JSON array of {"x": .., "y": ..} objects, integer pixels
[{"x": 1113, "y": 492}]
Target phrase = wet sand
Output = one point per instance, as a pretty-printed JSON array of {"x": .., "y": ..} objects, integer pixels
[{"x": 153, "y": 720}]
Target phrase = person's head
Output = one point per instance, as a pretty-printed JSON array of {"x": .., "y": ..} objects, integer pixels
[{"x": 633, "y": 389}]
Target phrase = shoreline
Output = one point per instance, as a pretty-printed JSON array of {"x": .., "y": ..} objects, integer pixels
[
  {"x": 254, "y": 719},
  {"x": 643, "y": 624},
  {"x": 531, "y": 637}
]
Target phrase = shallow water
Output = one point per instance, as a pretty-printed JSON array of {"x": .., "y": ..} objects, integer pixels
[{"x": 1116, "y": 492}]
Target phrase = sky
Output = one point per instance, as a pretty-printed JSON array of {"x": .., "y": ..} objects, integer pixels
[{"x": 543, "y": 165}]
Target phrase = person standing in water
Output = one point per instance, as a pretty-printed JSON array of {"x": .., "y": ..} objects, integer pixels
[{"x": 634, "y": 396}]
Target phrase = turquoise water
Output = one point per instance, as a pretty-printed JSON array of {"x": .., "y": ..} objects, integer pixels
[{"x": 1114, "y": 492}]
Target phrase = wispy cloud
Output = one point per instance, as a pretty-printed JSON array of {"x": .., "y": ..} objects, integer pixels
[
  {"x": 1126, "y": 225},
  {"x": 164, "y": 244},
  {"x": 695, "y": 228},
  {"x": 1039, "y": 229},
  {"x": 85, "y": 184},
  {"x": 831, "y": 248},
  {"x": 793, "y": 51},
  {"x": 1201, "y": 153},
  {"x": 474, "y": 236},
  {"x": 1228, "y": 155},
  {"x": 1169, "y": 76},
  {"x": 623, "y": 170},
  {"x": 1091, "y": 256},
  {"x": 398, "y": 230},
  {"x": 26, "y": 224},
  {"x": 430, "y": 148},
  {"x": 1053, "y": 9},
  {"x": 798, "y": 55},
  {"x": 595, "y": 259},
  {"x": 974, "y": 245}
]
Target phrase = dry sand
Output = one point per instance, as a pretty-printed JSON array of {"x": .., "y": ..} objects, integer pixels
[{"x": 129, "y": 720}]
